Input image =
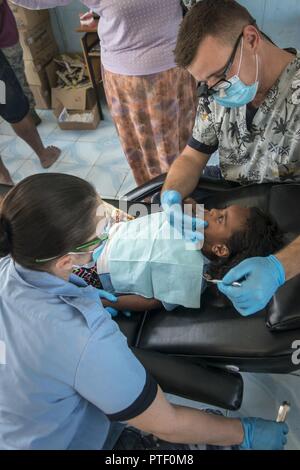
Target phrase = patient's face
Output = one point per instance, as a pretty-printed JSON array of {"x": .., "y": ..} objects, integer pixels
[{"x": 222, "y": 224}]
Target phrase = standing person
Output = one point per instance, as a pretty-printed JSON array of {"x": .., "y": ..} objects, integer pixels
[
  {"x": 152, "y": 102},
  {"x": 15, "y": 110},
  {"x": 249, "y": 112},
  {"x": 69, "y": 371},
  {"x": 11, "y": 48}
]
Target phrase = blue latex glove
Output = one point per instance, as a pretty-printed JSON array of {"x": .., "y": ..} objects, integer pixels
[
  {"x": 261, "y": 434},
  {"x": 114, "y": 312},
  {"x": 260, "y": 279},
  {"x": 188, "y": 226},
  {"x": 103, "y": 294}
]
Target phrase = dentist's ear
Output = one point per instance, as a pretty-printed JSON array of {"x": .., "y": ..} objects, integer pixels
[
  {"x": 251, "y": 37},
  {"x": 220, "y": 250}
]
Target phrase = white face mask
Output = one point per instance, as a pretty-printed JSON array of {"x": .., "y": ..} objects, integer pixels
[{"x": 88, "y": 265}]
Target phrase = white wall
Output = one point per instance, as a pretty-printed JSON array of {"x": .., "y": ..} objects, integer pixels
[{"x": 277, "y": 18}]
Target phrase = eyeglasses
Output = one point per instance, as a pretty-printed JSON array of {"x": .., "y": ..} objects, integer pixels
[
  {"x": 223, "y": 83},
  {"x": 77, "y": 251}
]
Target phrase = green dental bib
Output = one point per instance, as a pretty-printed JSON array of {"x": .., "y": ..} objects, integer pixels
[{"x": 147, "y": 258}]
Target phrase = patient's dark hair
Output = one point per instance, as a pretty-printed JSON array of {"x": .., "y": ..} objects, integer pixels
[
  {"x": 261, "y": 236},
  {"x": 46, "y": 215}
]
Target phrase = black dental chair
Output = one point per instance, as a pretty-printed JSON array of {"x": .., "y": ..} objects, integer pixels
[{"x": 197, "y": 354}]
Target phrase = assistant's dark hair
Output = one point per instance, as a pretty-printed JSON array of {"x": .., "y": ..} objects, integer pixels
[
  {"x": 219, "y": 18},
  {"x": 261, "y": 236},
  {"x": 46, "y": 215}
]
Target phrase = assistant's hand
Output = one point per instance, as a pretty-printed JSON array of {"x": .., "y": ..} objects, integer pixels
[
  {"x": 261, "y": 434},
  {"x": 103, "y": 294},
  {"x": 114, "y": 312},
  {"x": 260, "y": 279},
  {"x": 191, "y": 228}
]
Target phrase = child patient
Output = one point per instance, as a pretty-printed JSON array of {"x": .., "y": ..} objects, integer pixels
[{"x": 145, "y": 260}]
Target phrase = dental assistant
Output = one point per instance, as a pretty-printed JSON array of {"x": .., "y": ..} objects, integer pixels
[
  {"x": 249, "y": 111},
  {"x": 66, "y": 371}
]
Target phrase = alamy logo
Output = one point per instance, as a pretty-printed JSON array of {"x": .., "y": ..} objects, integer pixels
[
  {"x": 2, "y": 92},
  {"x": 2, "y": 353},
  {"x": 296, "y": 354}
]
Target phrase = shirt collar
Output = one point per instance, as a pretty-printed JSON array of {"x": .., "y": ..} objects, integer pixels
[
  {"x": 75, "y": 287},
  {"x": 74, "y": 292},
  {"x": 284, "y": 80}
]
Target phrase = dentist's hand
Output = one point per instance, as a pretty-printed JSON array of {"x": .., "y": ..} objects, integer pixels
[
  {"x": 260, "y": 279},
  {"x": 261, "y": 434},
  {"x": 188, "y": 226}
]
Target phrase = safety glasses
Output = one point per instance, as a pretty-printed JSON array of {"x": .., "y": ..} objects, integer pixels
[{"x": 78, "y": 250}]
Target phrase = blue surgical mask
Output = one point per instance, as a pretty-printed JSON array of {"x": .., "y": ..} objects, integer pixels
[
  {"x": 97, "y": 252},
  {"x": 238, "y": 94}
]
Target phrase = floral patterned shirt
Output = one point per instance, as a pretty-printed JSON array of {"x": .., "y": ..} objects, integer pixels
[{"x": 265, "y": 147}]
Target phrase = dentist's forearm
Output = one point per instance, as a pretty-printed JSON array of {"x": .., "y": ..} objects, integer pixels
[
  {"x": 40, "y": 4},
  {"x": 185, "y": 172},
  {"x": 290, "y": 259}
]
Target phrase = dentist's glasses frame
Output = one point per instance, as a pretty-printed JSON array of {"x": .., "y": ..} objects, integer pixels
[{"x": 77, "y": 251}]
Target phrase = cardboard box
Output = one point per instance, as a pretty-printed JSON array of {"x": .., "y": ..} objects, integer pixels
[
  {"x": 39, "y": 43},
  {"x": 92, "y": 108},
  {"x": 36, "y": 74},
  {"x": 42, "y": 97},
  {"x": 28, "y": 19},
  {"x": 72, "y": 98},
  {"x": 45, "y": 56}
]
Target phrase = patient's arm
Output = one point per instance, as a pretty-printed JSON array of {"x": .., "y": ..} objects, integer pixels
[{"x": 135, "y": 303}]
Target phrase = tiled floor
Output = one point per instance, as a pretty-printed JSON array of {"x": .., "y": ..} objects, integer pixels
[
  {"x": 98, "y": 157},
  {"x": 94, "y": 155}
]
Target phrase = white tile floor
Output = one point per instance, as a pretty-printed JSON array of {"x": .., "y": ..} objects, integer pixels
[
  {"x": 94, "y": 155},
  {"x": 97, "y": 156}
]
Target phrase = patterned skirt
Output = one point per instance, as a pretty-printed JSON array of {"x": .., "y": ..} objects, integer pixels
[{"x": 154, "y": 116}]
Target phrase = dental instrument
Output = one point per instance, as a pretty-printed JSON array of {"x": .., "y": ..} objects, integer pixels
[{"x": 218, "y": 281}]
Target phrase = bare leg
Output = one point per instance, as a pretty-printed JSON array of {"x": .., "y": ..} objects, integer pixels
[
  {"x": 27, "y": 131},
  {"x": 35, "y": 117},
  {"x": 5, "y": 177}
]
